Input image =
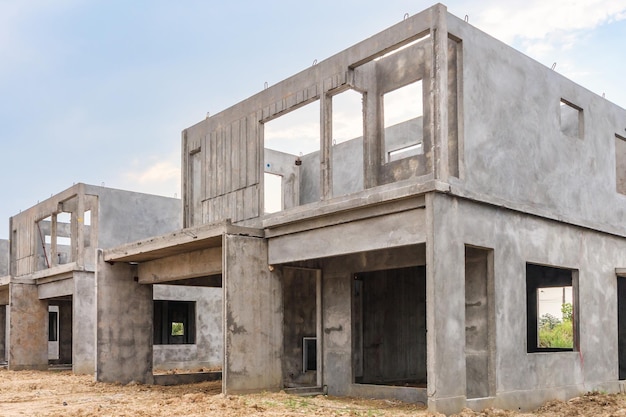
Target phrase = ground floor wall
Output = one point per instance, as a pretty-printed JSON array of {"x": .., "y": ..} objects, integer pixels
[
  {"x": 206, "y": 351},
  {"x": 479, "y": 322},
  {"x": 521, "y": 376}
]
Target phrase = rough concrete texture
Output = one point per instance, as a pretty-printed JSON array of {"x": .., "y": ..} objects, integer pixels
[
  {"x": 67, "y": 228},
  {"x": 253, "y": 318},
  {"x": 4, "y": 257},
  {"x": 28, "y": 328},
  {"x": 508, "y": 173},
  {"x": 207, "y": 351},
  {"x": 124, "y": 325}
]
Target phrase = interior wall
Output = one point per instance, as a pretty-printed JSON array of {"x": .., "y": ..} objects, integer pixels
[
  {"x": 207, "y": 351},
  {"x": 393, "y": 326},
  {"x": 478, "y": 335}
]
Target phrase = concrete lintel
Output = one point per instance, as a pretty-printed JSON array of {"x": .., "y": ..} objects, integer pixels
[
  {"x": 59, "y": 288},
  {"x": 620, "y": 272}
]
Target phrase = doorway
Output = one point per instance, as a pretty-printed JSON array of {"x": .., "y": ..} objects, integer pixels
[{"x": 302, "y": 342}]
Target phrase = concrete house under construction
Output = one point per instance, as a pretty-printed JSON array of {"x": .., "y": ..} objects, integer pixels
[
  {"x": 47, "y": 298},
  {"x": 403, "y": 246}
]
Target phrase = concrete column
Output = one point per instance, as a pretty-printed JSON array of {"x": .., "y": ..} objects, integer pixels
[
  {"x": 124, "y": 324},
  {"x": 445, "y": 306},
  {"x": 84, "y": 323},
  {"x": 253, "y": 329},
  {"x": 28, "y": 328}
]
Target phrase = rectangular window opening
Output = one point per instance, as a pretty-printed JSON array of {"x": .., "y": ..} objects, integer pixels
[
  {"x": 53, "y": 326},
  {"x": 571, "y": 119},
  {"x": 273, "y": 195},
  {"x": 400, "y": 47},
  {"x": 410, "y": 150},
  {"x": 551, "y": 309},
  {"x": 43, "y": 230},
  {"x": 174, "y": 322},
  {"x": 347, "y": 150},
  {"x": 403, "y": 115},
  {"x": 292, "y": 150},
  {"x": 309, "y": 354}
]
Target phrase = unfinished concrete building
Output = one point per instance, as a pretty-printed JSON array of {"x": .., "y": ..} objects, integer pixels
[
  {"x": 406, "y": 258},
  {"x": 51, "y": 288}
]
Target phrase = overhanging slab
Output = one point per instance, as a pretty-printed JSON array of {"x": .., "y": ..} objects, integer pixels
[{"x": 178, "y": 242}]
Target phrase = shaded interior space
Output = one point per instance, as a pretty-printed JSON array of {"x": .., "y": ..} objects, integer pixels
[
  {"x": 60, "y": 331},
  {"x": 479, "y": 317},
  {"x": 3, "y": 334},
  {"x": 389, "y": 327},
  {"x": 300, "y": 327},
  {"x": 621, "y": 326}
]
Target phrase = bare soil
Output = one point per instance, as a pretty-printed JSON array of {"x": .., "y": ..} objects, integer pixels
[{"x": 31, "y": 393}]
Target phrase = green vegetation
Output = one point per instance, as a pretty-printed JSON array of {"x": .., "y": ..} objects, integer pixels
[
  {"x": 178, "y": 329},
  {"x": 554, "y": 333}
]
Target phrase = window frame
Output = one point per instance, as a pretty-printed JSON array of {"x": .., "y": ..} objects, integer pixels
[
  {"x": 543, "y": 276},
  {"x": 165, "y": 313}
]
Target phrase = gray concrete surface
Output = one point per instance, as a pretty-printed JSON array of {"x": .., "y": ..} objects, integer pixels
[
  {"x": 207, "y": 351},
  {"x": 124, "y": 325},
  {"x": 62, "y": 268},
  {"x": 4, "y": 257},
  {"x": 507, "y": 174}
]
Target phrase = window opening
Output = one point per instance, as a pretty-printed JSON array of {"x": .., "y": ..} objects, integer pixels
[
  {"x": 551, "y": 309},
  {"x": 53, "y": 324},
  {"x": 403, "y": 114},
  {"x": 309, "y": 354},
  {"x": 64, "y": 238},
  {"x": 347, "y": 134},
  {"x": 44, "y": 239},
  {"x": 174, "y": 322},
  {"x": 426, "y": 35},
  {"x": 273, "y": 196},
  {"x": 571, "y": 119},
  {"x": 87, "y": 218},
  {"x": 620, "y": 164},
  {"x": 292, "y": 149}
]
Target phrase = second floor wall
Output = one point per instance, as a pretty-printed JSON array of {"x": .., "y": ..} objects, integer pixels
[{"x": 429, "y": 99}]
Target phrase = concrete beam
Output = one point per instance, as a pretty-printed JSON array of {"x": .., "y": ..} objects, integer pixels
[
  {"x": 398, "y": 229},
  {"x": 178, "y": 267}
]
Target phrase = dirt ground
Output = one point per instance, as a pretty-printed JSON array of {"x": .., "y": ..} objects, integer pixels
[{"x": 28, "y": 393}]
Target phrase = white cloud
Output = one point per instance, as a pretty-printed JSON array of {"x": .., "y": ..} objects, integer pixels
[
  {"x": 540, "y": 19},
  {"x": 155, "y": 175}
]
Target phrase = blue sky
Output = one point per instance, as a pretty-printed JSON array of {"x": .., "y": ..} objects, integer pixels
[{"x": 98, "y": 91}]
